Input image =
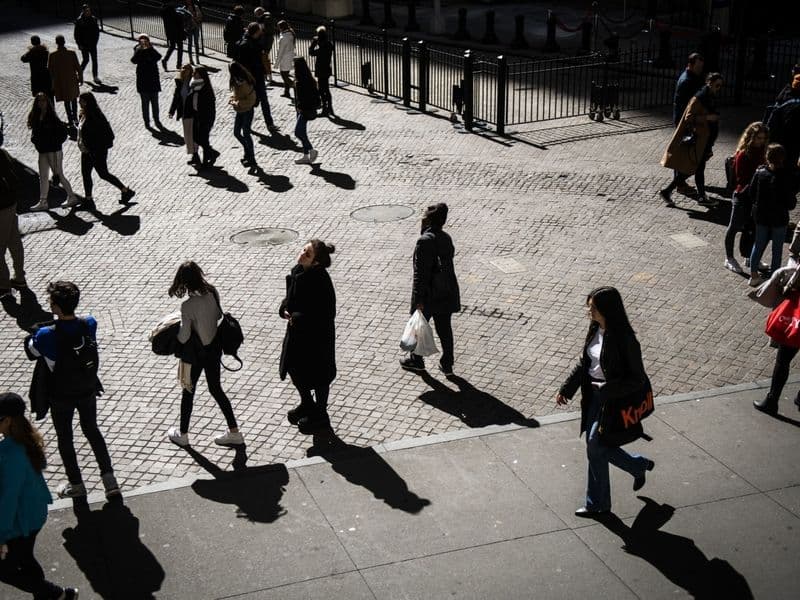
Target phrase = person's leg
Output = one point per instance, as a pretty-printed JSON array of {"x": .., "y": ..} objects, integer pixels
[
  {"x": 247, "y": 137},
  {"x": 300, "y": 132},
  {"x": 44, "y": 177},
  {"x": 212, "y": 369},
  {"x": 677, "y": 179},
  {"x": 444, "y": 329},
  {"x": 100, "y": 160},
  {"x": 324, "y": 94},
  {"x": 179, "y": 44},
  {"x": 155, "y": 110},
  {"x": 287, "y": 83},
  {"x": 168, "y": 53},
  {"x": 238, "y": 121},
  {"x": 736, "y": 224},
  {"x": 87, "y": 164},
  {"x": 21, "y": 570},
  {"x": 93, "y": 52},
  {"x": 87, "y": 416},
  {"x": 762, "y": 237},
  {"x": 187, "y": 399},
  {"x": 261, "y": 93},
  {"x": 777, "y": 239},
  {"x": 598, "y": 487},
  {"x": 84, "y": 58},
  {"x": 780, "y": 372},
  {"x": 700, "y": 178},
  {"x": 62, "y": 412},
  {"x": 7, "y": 225},
  {"x": 71, "y": 106},
  {"x": 145, "y": 108},
  {"x": 57, "y": 165}
]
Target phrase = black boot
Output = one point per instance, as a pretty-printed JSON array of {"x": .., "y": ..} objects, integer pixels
[
  {"x": 768, "y": 405},
  {"x": 298, "y": 412},
  {"x": 314, "y": 422}
]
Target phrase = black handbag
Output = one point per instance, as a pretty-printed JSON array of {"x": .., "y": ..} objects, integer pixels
[
  {"x": 621, "y": 417},
  {"x": 229, "y": 336}
]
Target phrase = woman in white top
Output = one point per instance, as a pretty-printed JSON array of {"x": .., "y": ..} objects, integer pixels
[
  {"x": 200, "y": 314},
  {"x": 285, "y": 58}
]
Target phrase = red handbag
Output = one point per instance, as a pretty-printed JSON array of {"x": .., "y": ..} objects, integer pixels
[{"x": 783, "y": 323}]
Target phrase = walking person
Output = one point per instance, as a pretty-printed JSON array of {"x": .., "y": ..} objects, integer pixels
[
  {"x": 692, "y": 144},
  {"x": 322, "y": 50},
  {"x": 48, "y": 134},
  {"x": 200, "y": 313},
  {"x": 243, "y": 100},
  {"x": 173, "y": 31},
  {"x": 24, "y": 498},
  {"x": 74, "y": 385},
  {"x": 192, "y": 20},
  {"x": 266, "y": 39},
  {"x": 249, "y": 54},
  {"x": 67, "y": 77},
  {"x": 306, "y": 103},
  {"x": 95, "y": 139},
  {"x": 308, "y": 355},
  {"x": 773, "y": 192},
  {"x": 10, "y": 239},
  {"x": 609, "y": 369},
  {"x": 285, "y": 57},
  {"x": 201, "y": 105},
  {"x": 750, "y": 154},
  {"x": 36, "y": 57},
  {"x": 87, "y": 34},
  {"x": 689, "y": 83},
  {"x": 181, "y": 110},
  {"x": 435, "y": 289},
  {"x": 148, "y": 80},
  {"x": 784, "y": 122},
  {"x": 233, "y": 30}
]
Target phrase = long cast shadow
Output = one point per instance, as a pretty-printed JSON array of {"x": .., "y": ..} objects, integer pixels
[
  {"x": 474, "y": 407},
  {"x": 28, "y": 313},
  {"x": 278, "y": 141},
  {"x": 167, "y": 137},
  {"x": 345, "y": 124},
  {"x": 219, "y": 178},
  {"x": 678, "y": 558},
  {"x": 274, "y": 183},
  {"x": 342, "y": 180},
  {"x": 255, "y": 491},
  {"x": 116, "y": 221},
  {"x": 366, "y": 468},
  {"x": 102, "y": 88},
  {"x": 108, "y": 549}
]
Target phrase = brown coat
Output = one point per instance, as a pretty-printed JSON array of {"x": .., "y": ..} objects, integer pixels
[
  {"x": 65, "y": 71},
  {"x": 685, "y": 158}
]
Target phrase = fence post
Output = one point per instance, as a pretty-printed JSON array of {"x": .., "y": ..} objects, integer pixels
[
  {"x": 461, "y": 32},
  {"x": 388, "y": 20},
  {"x": 502, "y": 82},
  {"x": 412, "y": 24},
  {"x": 586, "y": 38},
  {"x": 519, "y": 40},
  {"x": 551, "y": 45},
  {"x": 385, "y": 64},
  {"x": 332, "y": 30},
  {"x": 406, "y": 72},
  {"x": 366, "y": 18},
  {"x": 130, "y": 17},
  {"x": 422, "y": 75},
  {"x": 490, "y": 37},
  {"x": 467, "y": 91}
]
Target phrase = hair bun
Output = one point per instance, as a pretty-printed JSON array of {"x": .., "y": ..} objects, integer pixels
[{"x": 330, "y": 248}]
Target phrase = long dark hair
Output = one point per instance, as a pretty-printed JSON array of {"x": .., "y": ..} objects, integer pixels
[
  {"x": 35, "y": 114},
  {"x": 190, "y": 278},
  {"x": 90, "y": 107},
  {"x": 238, "y": 72},
  {"x": 302, "y": 74},
  {"x": 608, "y": 302},
  {"x": 27, "y": 436}
]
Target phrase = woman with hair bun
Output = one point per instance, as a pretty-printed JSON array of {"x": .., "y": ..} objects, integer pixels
[{"x": 308, "y": 353}]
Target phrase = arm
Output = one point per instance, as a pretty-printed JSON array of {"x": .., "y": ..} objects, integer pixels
[
  {"x": 424, "y": 255},
  {"x": 185, "y": 331},
  {"x": 314, "y": 47},
  {"x": 574, "y": 380},
  {"x": 739, "y": 171},
  {"x": 26, "y": 57}
]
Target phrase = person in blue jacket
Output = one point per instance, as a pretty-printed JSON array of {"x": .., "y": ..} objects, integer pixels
[{"x": 23, "y": 502}]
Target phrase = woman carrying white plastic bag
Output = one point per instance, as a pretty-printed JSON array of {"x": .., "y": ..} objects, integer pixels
[{"x": 418, "y": 336}]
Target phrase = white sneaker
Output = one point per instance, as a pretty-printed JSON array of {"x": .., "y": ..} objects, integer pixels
[
  {"x": 72, "y": 202},
  {"x": 176, "y": 437},
  {"x": 41, "y": 205},
  {"x": 71, "y": 490},
  {"x": 312, "y": 155},
  {"x": 732, "y": 265},
  {"x": 306, "y": 160},
  {"x": 229, "y": 439},
  {"x": 755, "y": 281}
]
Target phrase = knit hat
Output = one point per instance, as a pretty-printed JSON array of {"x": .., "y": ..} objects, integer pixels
[{"x": 11, "y": 405}]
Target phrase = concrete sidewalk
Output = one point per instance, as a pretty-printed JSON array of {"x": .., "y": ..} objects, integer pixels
[{"x": 485, "y": 513}]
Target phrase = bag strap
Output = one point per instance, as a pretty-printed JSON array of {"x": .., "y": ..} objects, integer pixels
[{"x": 236, "y": 357}]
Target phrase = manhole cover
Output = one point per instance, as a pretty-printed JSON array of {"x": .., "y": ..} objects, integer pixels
[
  {"x": 265, "y": 236},
  {"x": 382, "y": 213}
]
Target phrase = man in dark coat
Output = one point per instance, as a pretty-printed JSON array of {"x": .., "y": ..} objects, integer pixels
[
  {"x": 233, "y": 30},
  {"x": 173, "y": 31},
  {"x": 249, "y": 50},
  {"x": 321, "y": 49},
  {"x": 435, "y": 287},
  {"x": 148, "y": 81},
  {"x": 36, "y": 57},
  {"x": 689, "y": 83},
  {"x": 784, "y": 123},
  {"x": 87, "y": 34}
]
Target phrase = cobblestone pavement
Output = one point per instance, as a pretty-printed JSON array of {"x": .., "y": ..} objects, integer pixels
[{"x": 534, "y": 228}]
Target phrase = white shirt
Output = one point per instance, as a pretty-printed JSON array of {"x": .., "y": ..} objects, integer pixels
[
  {"x": 594, "y": 350},
  {"x": 201, "y": 313}
]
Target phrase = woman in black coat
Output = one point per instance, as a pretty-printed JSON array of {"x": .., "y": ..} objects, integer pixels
[
  {"x": 36, "y": 57},
  {"x": 201, "y": 108},
  {"x": 308, "y": 354},
  {"x": 321, "y": 49},
  {"x": 148, "y": 81},
  {"x": 610, "y": 369}
]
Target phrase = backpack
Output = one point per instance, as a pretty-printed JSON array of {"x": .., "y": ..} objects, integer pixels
[
  {"x": 229, "y": 336},
  {"x": 730, "y": 176},
  {"x": 77, "y": 362}
]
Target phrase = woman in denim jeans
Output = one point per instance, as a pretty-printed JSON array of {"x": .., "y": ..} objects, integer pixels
[
  {"x": 243, "y": 100},
  {"x": 307, "y": 101}
]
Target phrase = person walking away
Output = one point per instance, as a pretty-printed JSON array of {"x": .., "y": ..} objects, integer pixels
[
  {"x": 192, "y": 18},
  {"x": 306, "y": 103},
  {"x": 74, "y": 385},
  {"x": 148, "y": 81},
  {"x": 435, "y": 289},
  {"x": 689, "y": 83},
  {"x": 36, "y": 57},
  {"x": 202, "y": 106},
  {"x": 173, "y": 31},
  {"x": 48, "y": 134},
  {"x": 200, "y": 313},
  {"x": 750, "y": 154},
  {"x": 692, "y": 144},
  {"x": 248, "y": 51},
  {"x": 181, "y": 109},
  {"x": 784, "y": 124},
  {"x": 266, "y": 39},
  {"x": 773, "y": 192},
  {"x": 243, "y": 100},
  {"x": 87, "y": 34},
  {"x": 285, "y": 57},
  {"x": 233, "y": 30},
  {"x": 308, "y": 355},
  {"x": 322, "y": 50},
  {"x": 24, "y": 498},
  {"x": 67, "y": 77},
  {"x": 10, "y": 239},
  {"x": 95, "y": 139},
  {"x": 610, "y": 368}
]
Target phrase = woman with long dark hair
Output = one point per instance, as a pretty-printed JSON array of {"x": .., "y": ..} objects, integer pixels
[
  {"x": 610, "y": 367},
  {"x": 200, "y": 313},
  {"x": 243, "y": 100},
  {"x": 24, "y": 498},
  {"x": 95, "y": 139},
  {"x": 201, "y": 105},
  {"x": 306, "y": 103},
  {"x": 309, "y": 354}
]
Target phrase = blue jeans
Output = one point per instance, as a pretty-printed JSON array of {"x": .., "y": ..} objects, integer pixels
[
  {"x": 193, "y": 36},
  {"x": 241, "y": 131},
  {"x": 598, "y": 488},
  {"x": 300, "y": 132},
  {"x": 765, "y": 234}
]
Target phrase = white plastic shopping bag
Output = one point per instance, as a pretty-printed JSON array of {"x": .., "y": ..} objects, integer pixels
[
  {"x": 418, "y": 336},
  {"x": 409, "y": 340}
]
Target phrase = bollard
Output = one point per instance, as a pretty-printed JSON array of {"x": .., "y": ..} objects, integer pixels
[
  {"x": 502, "y": 83},
  {"x": 366, "y": 18},
  {"x": 406, "y": 72},
  {"x": 519, "y": 40},
  {"x": 385, "y": 39},
  {"x": 467, "y": 91},
  {"x": 586, "y": 38},
  {"x": 412, "y": 24},
  {"x": 664, "y": 58},
  {"x": 461, "y": 32},
  {"x": 422, "y": 75},
  {"x": 388, "y": 20},
  {"x": 612, "y": 43},
  {"x": 490, "y": 37},
  {"x": 551, "y": 45}
]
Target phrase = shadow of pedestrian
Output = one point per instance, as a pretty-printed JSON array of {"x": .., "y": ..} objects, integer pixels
[
  {"x": 117, "y": 221},
  {"x": 219, "y": 178},
  {"x": 72, "y": 223},
  {"x": 278, "y": 141},
  {"x": 102, "y": 88},
  {"x": 108, "y": 549},
  {"x": 345, "y": 124},
  {"x": 29, "y": 314},
  {"x": 255, "y": 491},
  {"x": 342, "y": 180},
  {"x": 274, "y": 183},
  {"x": 719, "y": 214},
  {"x": 366, "y": 468},
  {"x": 678, "y": 558},
  {"x": 474, "y": 407},
  {"x": 167, "y": 137}
]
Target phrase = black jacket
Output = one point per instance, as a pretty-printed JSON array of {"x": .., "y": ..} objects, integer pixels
[
  {"x": 87, "y": 32},
  {"x": 309, "y": 353},
  {"x": 687, "y": 86},
  {"x": 178, "y": 102},
  {"x": 97, "y": 135},
  {"x": 323, "y": 51},
  {"x": 232, "y": 33},
  {"x": 205, "y": 114},
  {"x": 48, "y": 134},
  {"x": 173, "y": 23},
  {"x": 10, "y": 181},
  {"x": 248, "y": 53},
  {"x": 307, "y": 98},
  {"x": 36, "y": 57},
  {"x": 773, "y": 194},
  {"x": 435, "y": 285},
  {"x": 146, "y": 60}
]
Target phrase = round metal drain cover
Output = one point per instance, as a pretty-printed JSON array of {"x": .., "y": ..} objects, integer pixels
[
  {"x": 265, "y": 236},
  {"x": 382, "y": 213}
]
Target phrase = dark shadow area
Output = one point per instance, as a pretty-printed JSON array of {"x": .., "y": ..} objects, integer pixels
[
  {"x": 108, "y": 550},
  {"x": 28, "y": 313},
  {"x": 722, "y": 192},
  {"x": 166, "y": 137},
  {"x": 102, "y": 88},
  {"x": 255, "y": 491},
  {"x": 345, "y": 124},
  {"x": 341, "y": 180},
  {"x": 274, "y": 183},
  {"x": 785, "y": 419},
  {"x": 366, "y": 468},
  {"x": 219, "y": 178},
  {"x": 719, "y": 214},
  {"x": 278, "y": 141},
  {"x": 116, "y": 221},
  {"x": 677, "y": 557},
  {"x": 474, "y": 407},
  {"x": 72, "y": 223}
]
